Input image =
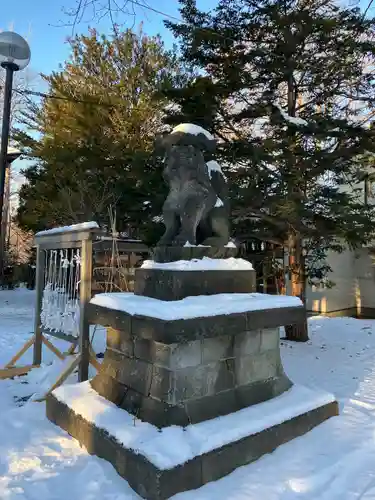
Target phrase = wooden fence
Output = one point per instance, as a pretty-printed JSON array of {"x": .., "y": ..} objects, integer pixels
[{"x": 65, "y": 282}]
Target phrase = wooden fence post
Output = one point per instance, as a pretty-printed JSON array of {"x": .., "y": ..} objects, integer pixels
[
  {"x": 85, "y": 297},
  {"x": 39, "y": 285}
]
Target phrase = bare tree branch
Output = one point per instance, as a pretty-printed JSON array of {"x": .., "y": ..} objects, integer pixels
[
  {"x": 118, "y": 11},
  {"x": 23, "y": 81}
]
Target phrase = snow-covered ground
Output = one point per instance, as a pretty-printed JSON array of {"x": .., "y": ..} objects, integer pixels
[{"x": 335, "y": 461}]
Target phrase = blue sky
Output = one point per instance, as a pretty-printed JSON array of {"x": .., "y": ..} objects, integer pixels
[
  {"x": 41, "y": 22},
  {"x": 44, "y": 24}
]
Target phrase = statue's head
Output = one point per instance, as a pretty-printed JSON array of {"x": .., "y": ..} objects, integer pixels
[{"x": 186, "y": 134}]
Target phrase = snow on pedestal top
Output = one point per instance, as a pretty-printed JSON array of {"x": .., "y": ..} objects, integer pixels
[
  {"x": 175, "y": 445},
  {"x": 190, "y": 128},
  {"x": 68, "y": 229},
  {"x": 201, "y": 306},
  {"x": 204, "y": 264}
]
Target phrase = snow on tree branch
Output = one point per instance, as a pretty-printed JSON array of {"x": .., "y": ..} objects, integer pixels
[{"x": 291, "y": 119}]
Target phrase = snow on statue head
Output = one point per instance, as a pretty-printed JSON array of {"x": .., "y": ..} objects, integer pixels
[{"x": 196, "y": 210}]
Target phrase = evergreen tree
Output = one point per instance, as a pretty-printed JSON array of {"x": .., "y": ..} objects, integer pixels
[
  {"x": 92, "y": 145},
  {"x": 291, "y": 87}
]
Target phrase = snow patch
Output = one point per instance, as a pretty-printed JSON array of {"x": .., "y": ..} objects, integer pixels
[
  {"x": 174, "y": 445},
  {"x": 219, "y": 202},
  {"x": 190, "y": 128},
  {"x": 204, "y": 264},
  {"x": 213, "y": 166},
  {"x": 13, "y": 151},
  {"x": 200, "y": 306},
  {"x": 231, "y": 244},
  {"x": 189, "y": 245},
  {"x": 291, "y": 119},
  {"x": 335, "y": 461},
  {"x": 69, "y": 229},
  {"x": 43, "y": 379}
]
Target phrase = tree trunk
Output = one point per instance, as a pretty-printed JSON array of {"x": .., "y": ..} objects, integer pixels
[
  {"x": 297, "y": 332},
  {"x": 297, "y": 270}
]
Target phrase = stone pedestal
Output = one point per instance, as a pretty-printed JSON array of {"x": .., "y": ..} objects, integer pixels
[
  {"x": 181, "y": 384},
  {"x": 164, "y": 284},
  {"x": 183, "y": 371},
  {"x": 145, "y": 459},
  {"x": 173, "y": 358}
]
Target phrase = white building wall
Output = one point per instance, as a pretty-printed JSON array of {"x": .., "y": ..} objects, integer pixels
[
  {"x": 354, "y": 292},
  {"x": 352, "y": 272},
  {"x": 343, "y": 295},
  {"x": 365, "y": 275}
]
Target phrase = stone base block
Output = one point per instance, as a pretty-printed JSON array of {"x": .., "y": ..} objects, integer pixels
[
  {"x": 161, "y": 321},
  {"x": 165, "y": 284},
  {"x": 159, "y": 464},
  {"x": 186, "y": 383}
]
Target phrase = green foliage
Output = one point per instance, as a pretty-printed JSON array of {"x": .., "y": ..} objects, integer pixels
[
  {"x": 91, "y": 147},
  {"x": 289, "y": 88}
]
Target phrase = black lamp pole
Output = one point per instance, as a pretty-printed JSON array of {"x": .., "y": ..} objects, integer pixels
[{"x": 10, "y": 68}]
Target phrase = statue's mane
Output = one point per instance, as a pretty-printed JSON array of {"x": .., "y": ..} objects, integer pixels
[{"x": 199, "y": 141}]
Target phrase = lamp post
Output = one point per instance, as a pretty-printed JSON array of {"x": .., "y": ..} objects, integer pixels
[{"x": 14, "y": 56}]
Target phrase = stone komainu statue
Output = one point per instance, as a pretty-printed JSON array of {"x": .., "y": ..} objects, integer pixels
[{"x": 196, "y": 210}]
